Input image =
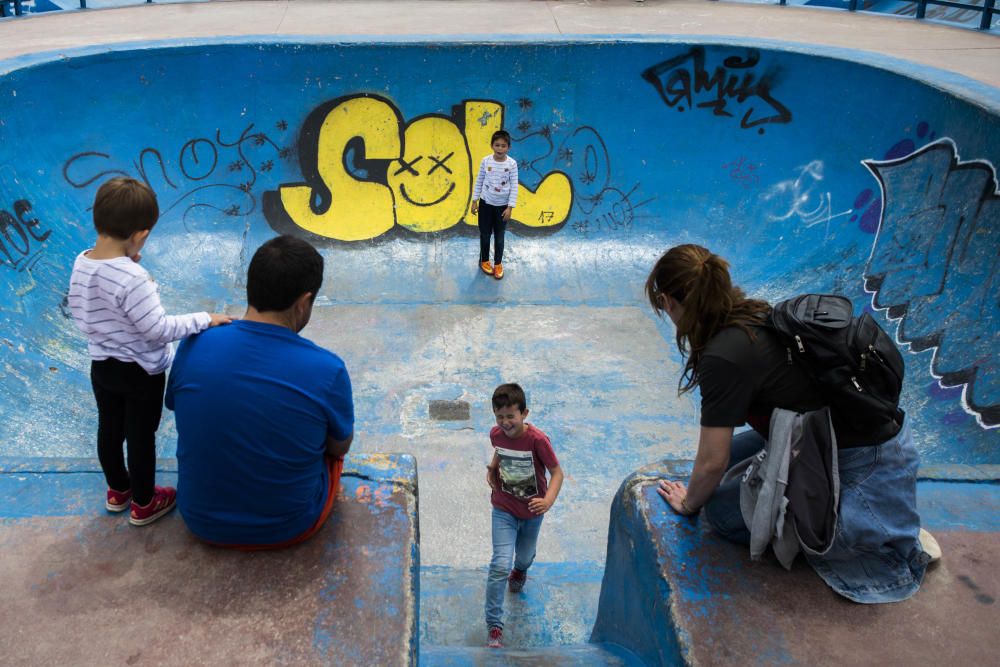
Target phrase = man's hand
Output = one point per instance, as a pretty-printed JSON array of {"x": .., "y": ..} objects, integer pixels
[
  {"x": 338, "y": 448},
  {"x": 539, "y": 505},
  {"x": 506, "y": 214},
  {"x": 475, "y": 207},
  {"x": 491, "y": 477}
]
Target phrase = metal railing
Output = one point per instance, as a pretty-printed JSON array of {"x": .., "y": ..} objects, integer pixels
[
  {"x": 988, "y": 9},
  {"x": 19, "y": 8}
]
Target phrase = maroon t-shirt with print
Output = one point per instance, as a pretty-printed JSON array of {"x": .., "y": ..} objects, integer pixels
[{"x": 523, "y": 464}]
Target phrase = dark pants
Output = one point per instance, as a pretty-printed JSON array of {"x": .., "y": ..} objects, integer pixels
[
  {"x": 491, "y": 223},
  {"x": 129, "y": 404}
]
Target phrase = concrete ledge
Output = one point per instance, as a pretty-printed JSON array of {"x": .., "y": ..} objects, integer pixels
[
  {"x": 82, "y": 586},
  {"x": 675, "y": 593}
]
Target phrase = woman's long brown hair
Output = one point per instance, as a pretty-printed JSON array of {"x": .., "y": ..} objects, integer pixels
[{"x": 699, "y": 280}]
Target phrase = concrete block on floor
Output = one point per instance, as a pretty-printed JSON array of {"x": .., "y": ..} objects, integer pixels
[
  {"x": 676, "y": 593},
  {"x": 82, "y": 586}
]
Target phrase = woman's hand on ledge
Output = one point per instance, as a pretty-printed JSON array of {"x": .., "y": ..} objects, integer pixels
[{"x": 674, "y": 493}]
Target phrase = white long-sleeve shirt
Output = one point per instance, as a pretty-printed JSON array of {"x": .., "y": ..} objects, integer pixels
[
  {"x": 496, "y": 182},
  {"x": 116, "y": 303}
]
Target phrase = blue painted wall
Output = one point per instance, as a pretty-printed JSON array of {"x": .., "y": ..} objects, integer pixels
[{"x": 809, "y": 172}]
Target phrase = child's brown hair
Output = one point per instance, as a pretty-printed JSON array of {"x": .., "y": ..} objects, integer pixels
[
  {"x": 509, "y": 395},
  {"x": 124, "y": 206}
]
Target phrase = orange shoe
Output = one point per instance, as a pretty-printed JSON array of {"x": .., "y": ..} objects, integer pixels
[
  {"x": 498, "y": 271},
  {"x": 486, "y": 267}
]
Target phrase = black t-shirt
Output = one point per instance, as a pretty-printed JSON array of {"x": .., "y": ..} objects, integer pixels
[{"x": 742, "y": 381}]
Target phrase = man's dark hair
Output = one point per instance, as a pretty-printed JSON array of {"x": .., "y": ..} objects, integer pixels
[
  {"x": 500, "y": 134},
  {"x": 282, "y": 270},
  {"x": 124, "y": 206},
  {"x": 509, "y": 395}
]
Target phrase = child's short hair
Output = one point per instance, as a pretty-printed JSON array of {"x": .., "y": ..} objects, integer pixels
[
  {"x": 509, "y": 395},
  {"x": 500, "y": 134},
  {"x": 124, "y": 206}
]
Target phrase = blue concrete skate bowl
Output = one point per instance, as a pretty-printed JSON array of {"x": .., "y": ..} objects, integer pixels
[{"x": 812, "y": 170}]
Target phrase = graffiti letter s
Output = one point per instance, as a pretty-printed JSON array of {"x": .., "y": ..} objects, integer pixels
[{"x": 341, "y": 206}]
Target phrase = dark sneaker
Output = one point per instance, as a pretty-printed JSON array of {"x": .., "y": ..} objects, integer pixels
[
  {"x": 118, "y": 501},
  {"x": 496, "y": 638},
  {"x": 516, "y": 580},
  {"x": 164, "y": 500}
]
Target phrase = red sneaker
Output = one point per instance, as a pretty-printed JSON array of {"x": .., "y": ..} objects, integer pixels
[
  {"x": 496, "y": 638},
  {"x": 486, "y": 267},
  {"x": 164, "y": 500},
  {"x": 498, "y": 271},
  {"x": 516, "y": 580},
  {"x": 118, "y": 501}
]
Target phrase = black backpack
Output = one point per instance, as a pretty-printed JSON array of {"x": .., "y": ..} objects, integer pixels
[{"x": 855, "y": 364}]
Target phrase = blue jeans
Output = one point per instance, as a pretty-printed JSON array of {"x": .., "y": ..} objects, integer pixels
[
  {"x": 722, "y": 511},
  {"x": 876, "y": 554},
  {"x": 513, "y": 539}
]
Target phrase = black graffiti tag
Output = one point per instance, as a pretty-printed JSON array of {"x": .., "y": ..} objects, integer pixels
[
  {"x": 686, "y": 79},
  {"x": 21, "y": 237}
]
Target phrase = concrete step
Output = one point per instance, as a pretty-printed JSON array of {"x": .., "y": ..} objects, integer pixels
[
  {"x": 676, "y": 592},
  {"x": 83, "y": 587},
  {"x": 557, "y": 606},
  {"x": 577, "y": 655}
]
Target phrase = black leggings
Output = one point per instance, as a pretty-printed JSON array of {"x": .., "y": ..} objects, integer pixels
[
  {"x": 129, "y": 404},
  {"x": 491, "y": 223}
]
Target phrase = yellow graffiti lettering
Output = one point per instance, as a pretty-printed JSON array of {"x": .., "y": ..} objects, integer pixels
[
  {"x": 420, "y": 177},
  {"x": 357, "y": 209},
  {"x": 548, "y": 205},
  {"x": 431, "y": 182}
]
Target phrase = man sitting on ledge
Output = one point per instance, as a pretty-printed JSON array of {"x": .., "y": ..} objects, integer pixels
[{"x": 264, "y": 416}]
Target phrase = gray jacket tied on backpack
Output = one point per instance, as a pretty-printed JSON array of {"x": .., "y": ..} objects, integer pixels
[{"x": 790, "y": 490}]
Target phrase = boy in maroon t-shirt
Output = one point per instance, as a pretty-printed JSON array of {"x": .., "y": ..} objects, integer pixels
[{"x": 521, "y": 496}]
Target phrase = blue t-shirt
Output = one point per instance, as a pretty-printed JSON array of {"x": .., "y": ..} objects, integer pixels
[{"x": 255, "y": 403}]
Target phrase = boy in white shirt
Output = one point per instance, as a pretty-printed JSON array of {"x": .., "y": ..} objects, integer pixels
[
  {"x": 496, "y": 183},
  {"x": 115, "y": 302}
]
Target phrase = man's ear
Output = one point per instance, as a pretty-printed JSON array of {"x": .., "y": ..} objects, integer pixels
[
  {"x": 141, "y": 236},
  {"x": 305, "y": 300}
]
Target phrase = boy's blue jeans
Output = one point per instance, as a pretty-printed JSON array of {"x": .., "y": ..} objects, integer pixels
[{"x": 513, "y": 539}]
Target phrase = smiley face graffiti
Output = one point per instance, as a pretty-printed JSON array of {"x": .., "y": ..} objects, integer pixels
[{"x": 430, "y": 181}]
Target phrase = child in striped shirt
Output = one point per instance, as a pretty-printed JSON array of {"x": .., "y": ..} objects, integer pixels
[
  {"x": 115, "y": 302},
  {"x": 496, "y": 183}
]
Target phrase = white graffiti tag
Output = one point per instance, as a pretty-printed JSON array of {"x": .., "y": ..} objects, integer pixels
[{"x": 802, "y": 198}]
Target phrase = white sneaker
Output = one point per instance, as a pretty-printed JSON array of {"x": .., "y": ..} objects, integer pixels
[{"x": 930, "y": 546}]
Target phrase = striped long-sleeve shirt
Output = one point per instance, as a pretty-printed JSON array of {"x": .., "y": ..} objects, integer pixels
[
  {"x": 116, "y": 304},
  {"x": 496, "y": 182}
]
